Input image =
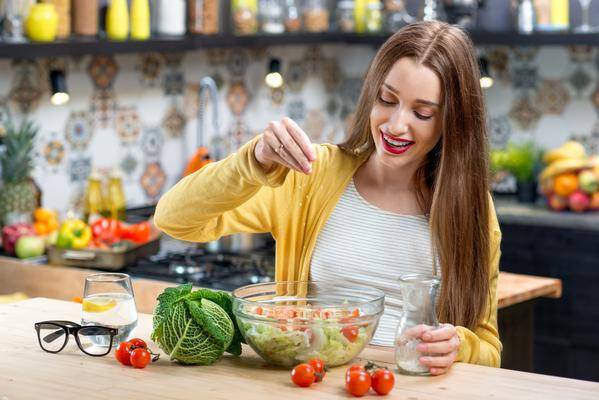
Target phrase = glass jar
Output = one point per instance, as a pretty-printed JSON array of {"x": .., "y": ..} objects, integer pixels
[
  {"x": 418, "y": 294},
  {"x": 374, "y": 16},
  {"x": 316, "y": 16},
  {"x": 345, "y": 16},
  {"x": 203, "y": 17},
  {"x": 245, "y": 17},
  {"x": 293, "y": 22},
  {"x": 272, "y": 18}
]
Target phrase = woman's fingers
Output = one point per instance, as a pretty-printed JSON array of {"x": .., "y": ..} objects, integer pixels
[
  {"x": 300, "y": 137},
  {"x": 277, "y": 152},
  {"x": 444, "y": 361},
  {"x": 445, "y": 332},
  {"x": 443, "y": 347},
  {"x": 290, "y": 146}
]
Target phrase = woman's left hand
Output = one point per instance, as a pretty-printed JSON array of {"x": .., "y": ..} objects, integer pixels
[{"x": 442, "y": 346}]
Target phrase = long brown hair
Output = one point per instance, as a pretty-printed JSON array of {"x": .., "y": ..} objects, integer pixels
[{"x": 452, "y": 184}]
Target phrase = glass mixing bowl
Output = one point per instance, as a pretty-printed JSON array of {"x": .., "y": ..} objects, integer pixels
[{"x": 290, "y": 322}]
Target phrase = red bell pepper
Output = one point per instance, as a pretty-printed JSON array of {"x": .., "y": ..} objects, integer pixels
[{"x": 107, "y": 230}]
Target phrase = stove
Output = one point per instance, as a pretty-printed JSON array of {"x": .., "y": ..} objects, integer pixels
[{"x": 183, "y": 262}]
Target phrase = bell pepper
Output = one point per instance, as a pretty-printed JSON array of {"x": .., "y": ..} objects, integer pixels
[{"x": 74, "y": 234}]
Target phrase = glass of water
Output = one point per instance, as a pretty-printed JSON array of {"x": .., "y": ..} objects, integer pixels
[{"x": 108, "y": 301}]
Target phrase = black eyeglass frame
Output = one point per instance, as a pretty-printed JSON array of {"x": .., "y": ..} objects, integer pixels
[{"x": 72, "y": 328}]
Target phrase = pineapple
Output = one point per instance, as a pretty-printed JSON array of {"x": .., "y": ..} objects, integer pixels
[{"x": 18, "y": 193}]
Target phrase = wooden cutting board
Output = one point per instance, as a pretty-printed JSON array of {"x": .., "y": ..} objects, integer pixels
[{"x": 26, "y": 372}]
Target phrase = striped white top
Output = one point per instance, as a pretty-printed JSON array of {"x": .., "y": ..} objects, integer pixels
[{"x": 363, "y": 244}]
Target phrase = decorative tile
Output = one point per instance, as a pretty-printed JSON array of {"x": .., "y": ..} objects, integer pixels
[
  {"x": 593, "y": 141},
  {"x": 27, "y": 88},
  {"x": 350, "y": 91},
  {"x": 524, "y": 113},
  {"x": 237, "y": 63},
  {"x": 331, "y": 74},
  {"x": 314, "y": 125},
  {"x": 152, "y": 180},
  {"x": 313, "y": 59},
  {"x": 295, "y": 76},
  {"x": 333, "y": 106},
  {"x": 552, "y": 97},
  {"x": 79, "y": 168},
  {"x": 103, "y": 106},
  {"x": 79, "y": 130},
  {"x": 174, "y": 83},
  {"x": 335, "y": 134},
  {"x": 102, "y": 70},
  {"x": 524, "y": 77},
  {"x": 174, "y": 122},
  {"x": 238, "y": 98},
  {"x": 191, "y": 101},
  {"x": 276, "y": 96},
  {"x": 173, "y": 60},
  {"x": 597, "y": 62},
  {"x": 258, "y": 52},
  {"x": 77, "y": 197},
  {"x": 500, "y": 130},
  {"x": 345, "y": 111},
  {"x": 129, "y": 165},
  {"x": 53, "y": 152},
  {"x": 348, "y": 123},
  {"x": 499, "y": 62},
  {"x": 127, "y": 124},
  {"x": 219, "y": 80},
  {"x": 595, "y": 98},
  {"x": 580, "y": 53},
  {"x": 296, "y": 110},
  {"x": 239, "y": 133},
  {"x": 150, "y": 66},
  {"x": 580, "y": 80},
  {"x": 217, "y": 57},
  {"x": 525, "y": 53},
  {"x": 152, "y": 142}
]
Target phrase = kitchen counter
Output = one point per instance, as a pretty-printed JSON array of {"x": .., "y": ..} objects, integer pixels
[
  {"x": 27, "y": 372},
  {"x": 509, "y": 211}
]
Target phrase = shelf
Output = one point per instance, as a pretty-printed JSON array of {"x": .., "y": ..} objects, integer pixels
[{"x": 85, "y": 46}]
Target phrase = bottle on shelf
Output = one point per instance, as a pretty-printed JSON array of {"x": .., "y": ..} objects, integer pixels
[
  {"x": 245, "y": 16},
  {"x": 171, "y": 17},
  {"x": 140, "y": 19},
  {"x": 85, "y": 17},
  {"x": 203, "y": 17},
  {"x": 117, "y": 20}
]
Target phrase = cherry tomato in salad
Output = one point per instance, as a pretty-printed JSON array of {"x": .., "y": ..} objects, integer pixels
[
  {"x": 123, "y": 353},
  {"x": 350, "y": 332},
  {"x": 138, "y": 343},
  {"x": 319, "y": 369},
  {"x": 357, "y": 383},
  {"x": 140, "y": 357},
  {"x": 383, "y": 381},
  {"x": 303, "y": 375}
]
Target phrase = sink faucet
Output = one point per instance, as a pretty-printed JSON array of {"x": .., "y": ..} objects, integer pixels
[{"x": 208, "y": 84}]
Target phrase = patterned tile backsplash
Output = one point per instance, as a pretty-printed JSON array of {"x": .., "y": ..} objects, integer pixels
[{"x": 139, "y": 112}]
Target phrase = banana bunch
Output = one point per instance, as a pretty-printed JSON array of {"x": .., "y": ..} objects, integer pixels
[{"x": 570, "y": 156}]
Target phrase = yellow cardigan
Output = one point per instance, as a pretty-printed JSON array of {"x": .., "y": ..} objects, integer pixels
[{"x": 235, "y": 195}]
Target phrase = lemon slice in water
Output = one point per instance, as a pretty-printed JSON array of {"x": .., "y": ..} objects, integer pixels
[{"x": 98, "y": 306}]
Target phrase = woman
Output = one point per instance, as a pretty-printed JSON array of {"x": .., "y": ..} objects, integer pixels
[{"x": 411, "y": 177}]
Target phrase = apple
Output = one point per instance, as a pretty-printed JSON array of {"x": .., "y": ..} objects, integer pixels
[
  {"x": 557, "y": 203},
  {"x": 588, "y": 182},
  {"x": 579, "y": 201},
  {"x": 30, "y": 246},
  {"x": 12, "y": 233}
]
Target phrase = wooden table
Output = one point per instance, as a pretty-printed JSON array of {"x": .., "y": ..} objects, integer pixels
[{"x": 27, "y": 372}]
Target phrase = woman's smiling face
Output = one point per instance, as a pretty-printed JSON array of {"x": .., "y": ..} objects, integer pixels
[{"x": 405, "y": 119}]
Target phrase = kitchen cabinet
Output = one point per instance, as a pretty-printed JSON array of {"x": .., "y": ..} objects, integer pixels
[{"x": 28, "y": 372}]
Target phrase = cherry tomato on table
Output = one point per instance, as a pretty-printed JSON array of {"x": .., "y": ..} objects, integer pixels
[
  {"x": 319, "y": 369},
  {"x": 138, "y": 343},
  {"x": 140, "y": 357},
  {"x": 383, "y": 381},
  {"x": 123, "y": 353},
  {"x": 357, "y": 383},
  {"x": 303, "y": 375}
]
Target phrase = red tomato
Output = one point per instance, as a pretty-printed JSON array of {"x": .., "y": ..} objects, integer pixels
[
  {"x": 140, "y": 358},
  {"x": 138, "y": 343},
  {"x": 123, "y": 353},
  {"x": 303, "y": 375},
  {"x": 350, "y": 332},
  {"x": 106, "y": 230},
  {"x": 354, "y": 367},
  {"x": 357, "y": 383},
  {"x": 139, "y": 233},
  {"x": 383, "y": 381},
  {"x": 319, "y": 369}
]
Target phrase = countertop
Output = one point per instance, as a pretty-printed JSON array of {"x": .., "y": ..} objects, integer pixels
[
  {"x": 27, "y": 372},
  {"x": 67, "y": 282},
  {"x": 509, "y": 211}
]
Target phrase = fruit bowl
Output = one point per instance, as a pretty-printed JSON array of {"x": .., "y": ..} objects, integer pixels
[{"x": 290, "y": 322}]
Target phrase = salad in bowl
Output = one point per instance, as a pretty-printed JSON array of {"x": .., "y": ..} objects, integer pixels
[{"x": 290, "y": 322}]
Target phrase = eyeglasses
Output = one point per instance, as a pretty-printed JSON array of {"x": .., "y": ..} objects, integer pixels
[{"x": 93, "y": 340}]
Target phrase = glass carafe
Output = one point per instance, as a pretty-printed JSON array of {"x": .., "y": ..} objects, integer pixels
[{"x": 419, "y": 293}]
